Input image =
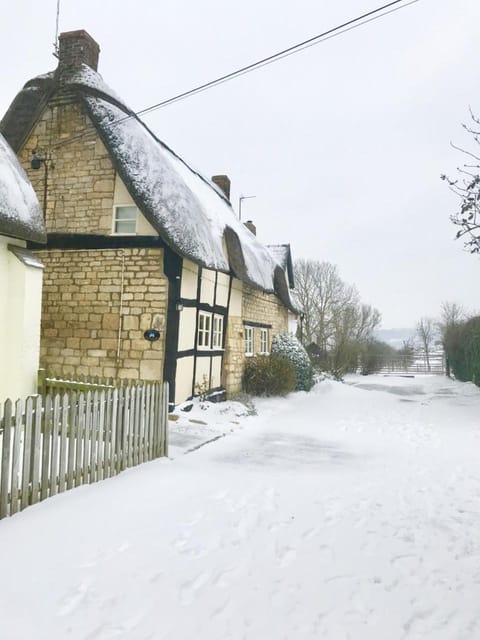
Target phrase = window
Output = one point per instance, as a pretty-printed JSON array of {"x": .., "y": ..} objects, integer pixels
[
  {"x": 249, "y": 341},
  {"x": 125, "y": 219},
  {"x": 204, "y": 330},
  {"x": 217, "y": 332},
  {"x": 264, "y": 341}
]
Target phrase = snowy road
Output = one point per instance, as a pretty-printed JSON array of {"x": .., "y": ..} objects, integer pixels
[{"x": 352, "y": 512}]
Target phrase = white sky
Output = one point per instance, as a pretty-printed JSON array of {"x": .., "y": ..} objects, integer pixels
[{"x": 342, "y": 144}]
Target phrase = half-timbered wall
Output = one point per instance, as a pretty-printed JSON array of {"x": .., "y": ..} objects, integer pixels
[{"x": 203, "y": 303}]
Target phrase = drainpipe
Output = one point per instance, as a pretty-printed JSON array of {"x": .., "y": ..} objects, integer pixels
[{"x": 120, "y": 311}]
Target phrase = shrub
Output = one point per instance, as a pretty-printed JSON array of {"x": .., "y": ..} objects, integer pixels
[
  {"x": 288, "y": 347},
  {"x": 268, "y": 376},
  {"x": 462, "y": 346}
]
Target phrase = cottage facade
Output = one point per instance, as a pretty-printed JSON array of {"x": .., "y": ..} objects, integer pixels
[
  {"x": 148, "y": 272},
  {"x": 20, "y": 279}
]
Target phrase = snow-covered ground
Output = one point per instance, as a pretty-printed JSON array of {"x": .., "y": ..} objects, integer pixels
[{"x": 350, "y": 512}]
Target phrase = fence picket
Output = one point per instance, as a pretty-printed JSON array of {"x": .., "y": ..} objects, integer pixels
[
  {"x": 6, "y": 450},
  {"x": 36, "y": 450},
  {"x": 17, "y": 454},
  {"x": 55, "y": 446},
  {"x": 108, "y": 433},
  {"x": 71, "y": 439},
  {"x": 79, "y": 440},
  {"x": 27, "y": 457},
  {"x": 101, "y": 436},
  {"x": 93, "y": 438},
  {"x": 62, "y": 475},
  {"x": 125, "y": 434},
  {"x": 46, "y": 438},
  {"x": 113, "y": 432},
  {"x": 87, "y": 437}
]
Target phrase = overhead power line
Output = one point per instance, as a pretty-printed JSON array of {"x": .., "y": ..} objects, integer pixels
[
  {"x": 370, "y": 16},
  {"x": 349, "y": 25}
]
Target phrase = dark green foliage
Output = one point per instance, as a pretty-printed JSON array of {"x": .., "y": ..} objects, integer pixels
[
  {"x": 462, "y": 347},
  {"x": 288, "y": 347},
  {"x": 374, "y": 355},
  {"x": 269, "y": 376}
]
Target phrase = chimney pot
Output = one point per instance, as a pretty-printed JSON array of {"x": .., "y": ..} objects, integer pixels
[
  {"x": 223, "y": 182},
  {"x": 251, "y": 227}
]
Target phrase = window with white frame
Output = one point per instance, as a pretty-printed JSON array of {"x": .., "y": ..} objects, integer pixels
[
  {"x": 248, "y": 341},
  {"x": 125, "y": 220},
  {"x": 218, "y": 332},
  {"x": 204, "y": 330},
  {"x": 264, "y": 341}
]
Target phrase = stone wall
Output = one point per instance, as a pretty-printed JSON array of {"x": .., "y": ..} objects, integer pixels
[
  {"x": 81, "y": 176},
  {"x": 257, "y": 307},
  {"x": 90, "y": 299}
]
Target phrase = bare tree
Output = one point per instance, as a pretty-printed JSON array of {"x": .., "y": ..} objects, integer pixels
[
  {"x": 452, "y": 316},
  {"x": 467, "y": 188},
  {"x": 426, "y": 333},
  {"x": 335, "y": 320}
]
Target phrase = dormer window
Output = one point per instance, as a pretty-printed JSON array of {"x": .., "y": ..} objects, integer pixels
[{"x": 125, "y": 220}]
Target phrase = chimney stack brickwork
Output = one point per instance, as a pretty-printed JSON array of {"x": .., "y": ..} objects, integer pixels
[
  {"x": 76, "y": 48},
  {"x": 223, "y": 182}
]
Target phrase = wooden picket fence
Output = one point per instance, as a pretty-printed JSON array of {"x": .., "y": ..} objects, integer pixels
[{"x": 54, "y": 443}]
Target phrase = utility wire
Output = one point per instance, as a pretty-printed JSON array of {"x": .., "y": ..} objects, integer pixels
[
  {"x": 349, "y": 25},
  {"x": 322, "y": 37}
]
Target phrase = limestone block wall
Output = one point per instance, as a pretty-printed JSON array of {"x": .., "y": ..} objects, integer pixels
[
  {"x": 96, "y": 306},
  {"x": 81, "y": 177},
  {"x": 252, "y": 306}
]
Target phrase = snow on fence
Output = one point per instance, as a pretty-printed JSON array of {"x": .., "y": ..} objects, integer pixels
[{"x": 54, "y": 443}]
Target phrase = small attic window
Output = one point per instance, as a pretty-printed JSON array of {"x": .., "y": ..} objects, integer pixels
[
  {"x": 125, "y": 220},
  {"x": 26, "y": 257}
]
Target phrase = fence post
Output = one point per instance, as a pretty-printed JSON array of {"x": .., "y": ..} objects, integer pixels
[{"x": 42, "y": 382}]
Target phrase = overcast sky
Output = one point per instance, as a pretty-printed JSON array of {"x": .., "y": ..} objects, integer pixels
[{"x": 342, "y": 144}]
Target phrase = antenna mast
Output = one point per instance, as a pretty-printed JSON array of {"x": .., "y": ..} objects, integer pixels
[{"x": 55, "y": 44}]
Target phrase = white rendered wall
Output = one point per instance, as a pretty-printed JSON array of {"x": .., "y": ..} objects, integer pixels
[{"x": 20, "y": 308}]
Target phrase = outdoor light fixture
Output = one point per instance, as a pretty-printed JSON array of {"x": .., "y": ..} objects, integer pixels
[
  {"x": 153, "y": 334},
  {"x": 36, "y": 161}
]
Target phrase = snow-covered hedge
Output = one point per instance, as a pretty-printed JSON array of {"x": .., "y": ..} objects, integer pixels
[
  {"x": 269, "y": 376},
  {"x": 287, "y": 346}
]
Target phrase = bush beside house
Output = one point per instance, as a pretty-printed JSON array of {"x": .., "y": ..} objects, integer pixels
[
  {"x": 289, "y": 348},
  {"x": 271, "y": 375}
]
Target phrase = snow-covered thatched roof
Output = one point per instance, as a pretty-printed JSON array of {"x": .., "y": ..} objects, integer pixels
[
  {"x": 20, "y": 212},
  {"x": 187, "y": 210}
]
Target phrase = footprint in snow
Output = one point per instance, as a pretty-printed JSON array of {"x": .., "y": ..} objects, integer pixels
[
  {"x": 73, "y": 599},
  {"x": 188, "y": 591}
]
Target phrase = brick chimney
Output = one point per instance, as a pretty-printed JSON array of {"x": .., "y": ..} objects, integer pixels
[
  {"x": 223, "y": 182},
  {"x": 251, "y": 227},
  {"x": 76, "y": 48}
]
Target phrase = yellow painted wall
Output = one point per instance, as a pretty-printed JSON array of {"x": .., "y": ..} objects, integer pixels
[{"x": 20, "y": 304}]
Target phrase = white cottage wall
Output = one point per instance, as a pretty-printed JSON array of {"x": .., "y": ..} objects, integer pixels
[{"x": 20, "y": 304}]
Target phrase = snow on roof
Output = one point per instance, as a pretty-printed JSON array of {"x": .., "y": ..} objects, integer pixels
[
  {"x": 280, "y": 253},
  {"x": 20, "y": 212},
  {"x": 182, "y": 205},
  {"x": 88, "y": 77}
]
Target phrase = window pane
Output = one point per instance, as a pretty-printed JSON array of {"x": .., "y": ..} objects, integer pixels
[
  {"x": 125, "y": 226},
  {"x": 126, "y": 213}
]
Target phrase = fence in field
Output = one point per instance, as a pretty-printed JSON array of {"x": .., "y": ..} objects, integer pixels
[
  {"x": 415, "y": 364},
  {"x": 53, "y": 443}
]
